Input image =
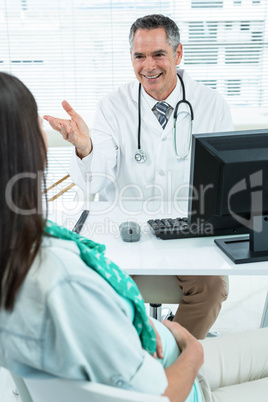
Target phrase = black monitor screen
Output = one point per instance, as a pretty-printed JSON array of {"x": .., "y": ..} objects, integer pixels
[{"x": 228, "y": 176}]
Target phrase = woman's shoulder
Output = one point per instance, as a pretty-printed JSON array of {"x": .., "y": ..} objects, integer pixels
[
  {"x": 57, "y": 252},
  {"x": 58, "y": 261}
]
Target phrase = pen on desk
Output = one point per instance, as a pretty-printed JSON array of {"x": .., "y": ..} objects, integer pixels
[{"x": 80, "y": 223}]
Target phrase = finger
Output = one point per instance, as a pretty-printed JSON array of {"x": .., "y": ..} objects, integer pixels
[
  {"x": 167, "y": 323},
  {"x": 71, "y": 112},
  {"x": 48, "y": 117},
  {"x": 64, "y": 132},
  {"x": 56, "y": 119},
  {"x": 159, "y": 348},
  {"x": 54, "y": 122},
  {"x": 173, "y": 325},
  {"x": 51, "y": 118}
]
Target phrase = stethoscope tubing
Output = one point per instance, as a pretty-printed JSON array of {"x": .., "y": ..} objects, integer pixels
[{"x": 140, "y": 156}]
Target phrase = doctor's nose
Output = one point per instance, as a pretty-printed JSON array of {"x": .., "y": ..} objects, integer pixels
[{"x": 149, "y": 64}]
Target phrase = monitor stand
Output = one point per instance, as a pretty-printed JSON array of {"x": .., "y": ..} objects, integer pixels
[{"x": 252, "y": 248}]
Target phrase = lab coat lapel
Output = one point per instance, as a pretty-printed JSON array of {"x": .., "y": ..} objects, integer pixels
[
  {"x": 169, "y": 127},
  {"x": 149, "y": 118}
]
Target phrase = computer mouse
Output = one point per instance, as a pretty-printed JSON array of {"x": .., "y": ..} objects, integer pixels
[{"x": 130, "y": 231}]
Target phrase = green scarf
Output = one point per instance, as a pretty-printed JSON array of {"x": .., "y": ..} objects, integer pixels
[{"x": 93, "y": 255}]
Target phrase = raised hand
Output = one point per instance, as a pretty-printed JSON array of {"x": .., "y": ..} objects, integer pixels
[{"x": 73, "y": 130}]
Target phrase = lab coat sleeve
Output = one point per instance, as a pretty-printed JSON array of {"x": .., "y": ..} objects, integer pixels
[
  {"x": 90, "y": 336},
  {"x": 225, "y": 122},
  {"x": 99, "y": 169},
  {"x": 80, "y": 170}
]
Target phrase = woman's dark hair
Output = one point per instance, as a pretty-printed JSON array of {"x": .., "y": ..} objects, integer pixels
[{"x": 22, "y": 162}]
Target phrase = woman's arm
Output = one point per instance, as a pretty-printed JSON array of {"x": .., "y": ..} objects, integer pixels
[{"x": 182, "y": 373}]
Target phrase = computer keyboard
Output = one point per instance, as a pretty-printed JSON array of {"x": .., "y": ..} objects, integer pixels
[{"x": 172, "y": 228}]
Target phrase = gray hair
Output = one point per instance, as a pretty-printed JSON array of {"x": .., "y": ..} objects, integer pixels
[{"x": 155, "y": 21}]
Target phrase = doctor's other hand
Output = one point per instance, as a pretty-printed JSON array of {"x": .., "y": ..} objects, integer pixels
[{"x": 73, "y": 130}]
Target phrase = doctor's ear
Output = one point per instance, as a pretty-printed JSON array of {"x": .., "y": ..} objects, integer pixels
[{"x": 179, "y": 54}]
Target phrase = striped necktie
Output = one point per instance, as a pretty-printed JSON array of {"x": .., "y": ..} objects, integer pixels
[{"x": 162, "y": 108}]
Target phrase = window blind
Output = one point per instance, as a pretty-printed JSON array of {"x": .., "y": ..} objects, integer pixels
[{"x": 78, "y": 50}]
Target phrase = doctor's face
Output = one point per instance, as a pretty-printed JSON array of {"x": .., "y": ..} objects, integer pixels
[{"x": 154, "y": 62}]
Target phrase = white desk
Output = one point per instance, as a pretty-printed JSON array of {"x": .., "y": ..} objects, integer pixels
[{"x": 150, "y": 256}]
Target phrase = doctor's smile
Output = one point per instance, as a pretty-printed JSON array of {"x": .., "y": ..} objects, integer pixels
[{"x": 152, "y": 77}]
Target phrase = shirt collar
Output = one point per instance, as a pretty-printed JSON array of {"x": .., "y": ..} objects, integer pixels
[{"x": 172, "y": 99}]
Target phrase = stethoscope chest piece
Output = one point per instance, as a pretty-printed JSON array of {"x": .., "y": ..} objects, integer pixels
[{"x": 140, "y": 156}]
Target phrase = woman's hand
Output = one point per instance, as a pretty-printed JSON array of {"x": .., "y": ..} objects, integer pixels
[
  {"x": 186, "y": 341},
  {"x": 182, "y": 373},
  {"x": 74, "y": 130},
  {"x": 159, "y": 349}
]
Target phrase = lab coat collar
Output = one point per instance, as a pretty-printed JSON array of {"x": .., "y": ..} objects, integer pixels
[{"x": 189, "y": 85}]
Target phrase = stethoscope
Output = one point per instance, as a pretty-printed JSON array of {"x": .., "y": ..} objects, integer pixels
[{"x": 140, "y": 155}]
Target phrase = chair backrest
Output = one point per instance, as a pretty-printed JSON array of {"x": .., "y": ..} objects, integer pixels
[
  {"x": 22, "y": 389},
  {"x": 55, "y": 390},
  {"x": 264, "y": 319}
]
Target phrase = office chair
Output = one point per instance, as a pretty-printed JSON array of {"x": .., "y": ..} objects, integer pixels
[
  {"x": 55, "y": 390},
  {"x": 158, "y": 290},
  {"x": 161, "y": 289}
]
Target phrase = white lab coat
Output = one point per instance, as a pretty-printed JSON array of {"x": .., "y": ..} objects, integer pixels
[{"x": 111, "y": 168}]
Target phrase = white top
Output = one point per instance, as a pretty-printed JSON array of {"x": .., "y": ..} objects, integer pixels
[{"x": 111, "y": 168}]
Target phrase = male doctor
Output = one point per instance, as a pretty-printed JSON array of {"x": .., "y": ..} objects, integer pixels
[{"x": 107, "y": 162}]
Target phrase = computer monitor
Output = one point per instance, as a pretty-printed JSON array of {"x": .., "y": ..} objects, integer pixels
[{"x": 229, "y": 191}]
